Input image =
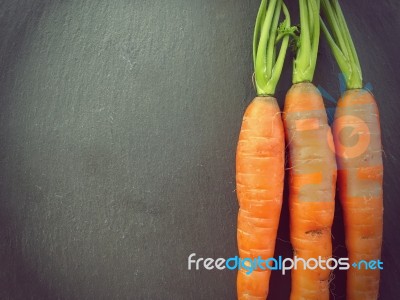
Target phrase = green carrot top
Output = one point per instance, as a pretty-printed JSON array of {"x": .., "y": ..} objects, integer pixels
[
  {"x": 341, "y": 43},
  {"x": 267, "y": 34},
  {"x": 306, "y": 58}
]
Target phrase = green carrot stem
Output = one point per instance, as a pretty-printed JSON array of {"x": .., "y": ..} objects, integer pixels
[
  {"x": 306, "y": 58},
  {"x": 333, "y": 22},
  {"x": 268, "y": 63},
  {"x": 277, "y": 70},
  {"x": 261, "y": 71},
  {"x": 259, "y": 21},
  {"x": 337, "y": 52},
  {"x": 271, "y": 41},
  {"x": 310, "y": 18},
  {"x": 341, "y": 43}
]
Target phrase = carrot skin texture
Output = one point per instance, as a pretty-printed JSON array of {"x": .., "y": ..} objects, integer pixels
[
  {"x": 312, "y": 180},
  {"x": 259, "y": 180},
  {"x": 360, "y": 179}
]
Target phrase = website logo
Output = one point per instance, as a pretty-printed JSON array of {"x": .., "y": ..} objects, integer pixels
[{"x": 279, "y": 264}]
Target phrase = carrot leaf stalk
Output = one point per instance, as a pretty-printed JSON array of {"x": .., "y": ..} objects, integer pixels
[
  {"x": 341, "y": 43},
  {"x": 306, "y": 58},
  {"x": 268, "y": 63}
]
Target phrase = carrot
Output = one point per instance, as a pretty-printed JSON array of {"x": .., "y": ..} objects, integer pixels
[
  {"x": 360, "y": 175},
  {"x": 260, "y": 153},
  {"x": 259, "y": 178},
  {"x": 312, "y": 168}
]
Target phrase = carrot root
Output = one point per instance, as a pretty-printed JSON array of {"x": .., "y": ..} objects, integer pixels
[
  {"x": 360, "y": 180},
  {"x": 312, "y": 176},
  {"x": 259, "y": 178}
]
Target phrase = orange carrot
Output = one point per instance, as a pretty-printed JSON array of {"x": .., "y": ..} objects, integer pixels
[
  {"x": 312, "y": 175},
  {"x": 259, "y": 177},
  {"x": 360, "y": 188},
  {"x": 360, "y": 175},
  {"x": 260, "y": 153},
  {"x": 312, "y": 168}
]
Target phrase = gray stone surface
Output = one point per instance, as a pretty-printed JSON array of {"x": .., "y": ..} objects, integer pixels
[{"x": 118, "y": 128}]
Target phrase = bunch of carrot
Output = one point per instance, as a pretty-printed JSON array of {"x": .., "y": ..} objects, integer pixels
[{"x": 318, "y": 155}]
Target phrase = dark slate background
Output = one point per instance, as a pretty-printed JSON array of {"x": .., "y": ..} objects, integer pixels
[{"x": 118, "y": 128}]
